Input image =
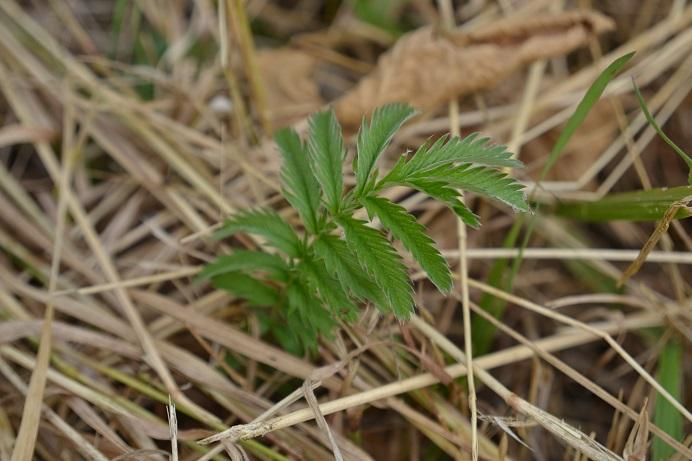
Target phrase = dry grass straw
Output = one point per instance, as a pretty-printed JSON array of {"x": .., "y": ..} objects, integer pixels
[
  {"x": 102, "y": 235},
  {"x": 28, "y": 431},
  {"x": 565, "y": 339},
  {"x": 446, "y": 12},
  {"x": 563, "y": 431}
]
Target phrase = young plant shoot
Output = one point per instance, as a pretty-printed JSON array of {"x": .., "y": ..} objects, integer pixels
[{"x": 319, "y": 274}]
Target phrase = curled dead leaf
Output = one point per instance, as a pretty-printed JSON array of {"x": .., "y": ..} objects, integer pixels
[{"x": 426, "y": 67}]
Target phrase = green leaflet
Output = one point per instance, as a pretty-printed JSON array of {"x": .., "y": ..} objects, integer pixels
[
  {"x": 442, "y": 167},
  {"x": 488, "y": 182},
  {"x": 330, "y": 290},
  {"x": 343, "y": 264},
  {"x": 375, "y": 136},
  {"x": 412, "y": 234},
  {"x": 247, "y": 287},
  {"x": 475, "y": 178},
  {"x": 241, "y": 260},
  {"x": 305, "y": 314},
  {"x": 326, "y": 148},
  {"x": 443, "y": 192},
  {"x": 382, "y": 263},
  {"x": 444, "y": 151},
  {"x": 265, "y": 223},
  {"x": 300, "y": 185}
]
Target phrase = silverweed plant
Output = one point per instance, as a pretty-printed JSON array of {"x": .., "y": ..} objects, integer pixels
[{"x": 317, "y": 275}]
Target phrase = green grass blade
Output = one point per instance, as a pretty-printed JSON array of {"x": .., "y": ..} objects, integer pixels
[
  {"x": 661, "y": 134},
  {"x": 641, "y": 205},
  {"x": 118, "y": 18},
  {"x": 499, "y": 275},
  {"x": 665, "y": 415},
  {"x": 592, "y": 96}
]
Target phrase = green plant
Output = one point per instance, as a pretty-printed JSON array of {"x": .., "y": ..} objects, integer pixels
[
  {"x": 670, "y": 375},
  {"x": 318, "y": 276},
  {"x": 652, "y": 121}
]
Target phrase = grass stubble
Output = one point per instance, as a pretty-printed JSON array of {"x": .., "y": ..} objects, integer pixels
[{"x": 97, "y": 298}]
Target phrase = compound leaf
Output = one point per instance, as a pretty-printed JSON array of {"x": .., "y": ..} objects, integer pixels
[
  {"x": 411, "y": 233},
  {"x": 343, "y": 264},
  {"x": 330, "y": 290},
  {"x": 376, "y": 255}
]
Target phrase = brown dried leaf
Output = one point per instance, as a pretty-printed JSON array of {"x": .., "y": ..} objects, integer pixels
[
  {"x": 426, "y": 68},
  {"x": 291, "y": 90}
]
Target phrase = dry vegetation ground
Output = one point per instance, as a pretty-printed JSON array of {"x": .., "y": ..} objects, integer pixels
[{"x": 131, "y": 128}]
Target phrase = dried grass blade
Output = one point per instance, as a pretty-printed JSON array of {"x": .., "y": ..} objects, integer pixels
[
  {"x": 563, "y": 431},
  {"x": 16, "y": 134},
  {"x": 173, "y": 428},
  {"x": 82, "y": 445},
  {"x": 581, "y": 379},
  {"x": 31, "y": 414},
  {"x": 577, "y": 324},
  {"x": 510, "y": 355},
  {"x": 310, "y": 398},
  {"x": 637, "y": 442}
]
